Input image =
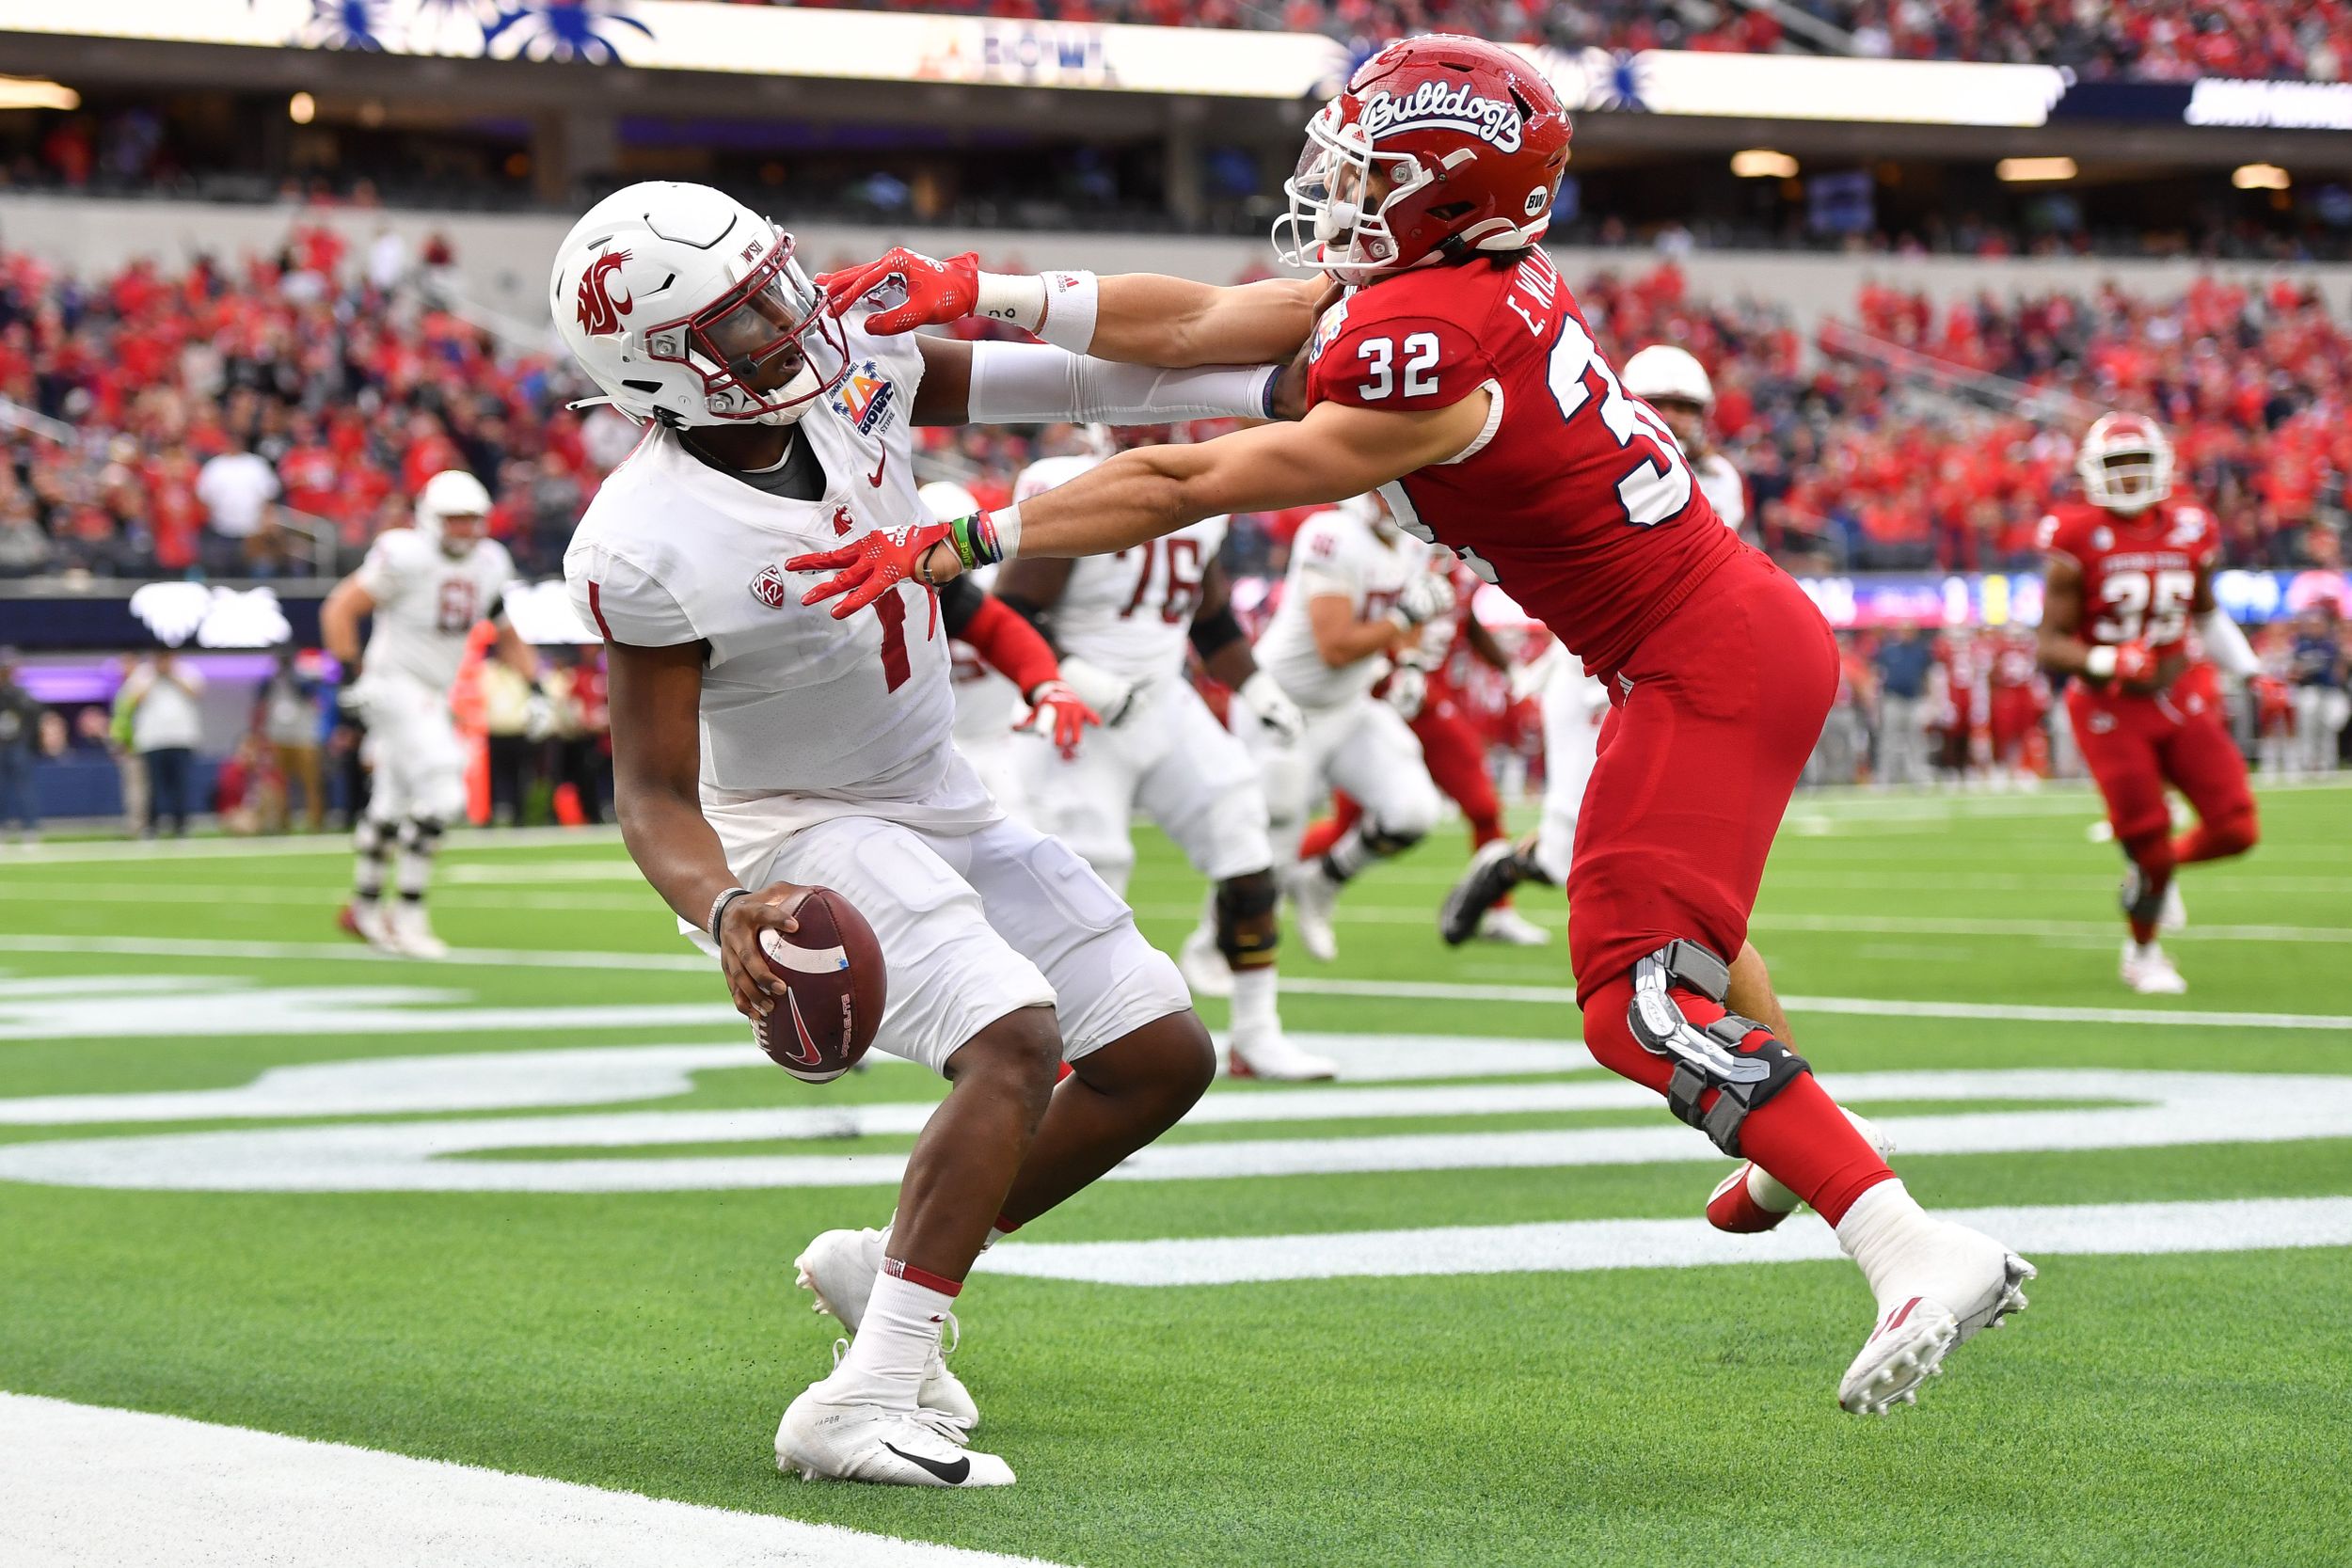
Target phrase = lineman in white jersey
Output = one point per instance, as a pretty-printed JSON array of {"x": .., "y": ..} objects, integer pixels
[
  {"x": 1574, "y": 702},
  {"x": 1121, "y": 624},
  {"x": 1358, "y": 594},
  {"x": 427, "y": 587},
  {"x": 761, "y": 743}
]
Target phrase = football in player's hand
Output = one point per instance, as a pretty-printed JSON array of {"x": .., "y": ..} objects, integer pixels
[{"x": 834, "y": 984}]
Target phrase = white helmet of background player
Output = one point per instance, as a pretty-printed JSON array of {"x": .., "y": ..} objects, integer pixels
[
  {"x": 946, "y": 498},
  {"x": 2125, "y": 462},
  {"x": 451, "y": 511},
  {"x": 1663, "y": 370},
  {"x": 686, "y": 306}
]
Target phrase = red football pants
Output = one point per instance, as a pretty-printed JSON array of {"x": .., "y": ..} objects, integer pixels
[{"x": 2134, "y": 746}]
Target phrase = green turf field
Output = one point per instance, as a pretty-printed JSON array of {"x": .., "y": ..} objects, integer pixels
[{"x": 578, "y": 1266}]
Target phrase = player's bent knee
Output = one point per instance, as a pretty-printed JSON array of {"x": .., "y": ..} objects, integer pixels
[
  {"x": 1020, "y": 1053},
  {"x": 2236, "y": 834},
  {"x": 1248, "y": 923},
  {"x": 1734, "y": 1056}
]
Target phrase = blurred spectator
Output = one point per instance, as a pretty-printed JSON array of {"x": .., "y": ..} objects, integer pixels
[
  {"x": 1906, "y": 661},
  {"x": 237, "y": 489},
  {"x": 166, "y": 724},
  {"x": 505, "y": 697},
  {"x": 25, "y": 550},
  {"x": 287, "y": 715},
  {"x": 20, "y": 715},
  {"x": 582, "y": 729},
  {"x": 2317, "y": 664},
  {"x": 242, "y": 788}
]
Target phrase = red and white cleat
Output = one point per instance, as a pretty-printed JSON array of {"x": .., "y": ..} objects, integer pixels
[{"x": 1748, "y": 1201}]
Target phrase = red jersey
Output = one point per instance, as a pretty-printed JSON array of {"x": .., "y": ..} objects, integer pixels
[
  {"x": 2140, "y": 574},
  {"x": 1576, "y": 499}
]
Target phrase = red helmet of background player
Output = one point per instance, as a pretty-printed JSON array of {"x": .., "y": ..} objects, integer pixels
[
  {"x": 1439, "y": 145},
  {"x": 2125, "y": 462}
]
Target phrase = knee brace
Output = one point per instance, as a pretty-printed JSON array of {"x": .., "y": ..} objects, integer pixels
[
  {"x": 1384, "y": 840},
  {"x": 367, "y": 839},
  {"x": 419, "y": 836},
  {"x": 1247, "y": 928},
  {"x": 1715, "y": 1055}
]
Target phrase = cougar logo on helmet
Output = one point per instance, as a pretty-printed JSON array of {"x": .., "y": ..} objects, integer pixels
[
  {"x": 1433, "y": 105},
  {"x": 599, "y": 312}
]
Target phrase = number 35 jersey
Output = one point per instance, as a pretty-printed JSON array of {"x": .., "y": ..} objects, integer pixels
[
  {"x": 427, "y": 603},
  {"x": 1129, "y": 613},
  {"x": 2140, "y": 574},
  {"x": 1575, "y": 497}
]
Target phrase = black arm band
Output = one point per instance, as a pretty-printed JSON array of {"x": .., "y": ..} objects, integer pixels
[
  {"x": 959, "y": 602},
  {"x": 1215, "y": 630}
]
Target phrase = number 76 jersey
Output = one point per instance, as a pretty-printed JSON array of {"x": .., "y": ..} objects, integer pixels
[
  {"x": 1575, "y": 497},
  {"x": 2140, "y": 574},
  {"x": 1130, "y": 614}
]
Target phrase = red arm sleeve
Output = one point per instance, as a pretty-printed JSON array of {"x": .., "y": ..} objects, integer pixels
[{"x": 1009, "y": 646}]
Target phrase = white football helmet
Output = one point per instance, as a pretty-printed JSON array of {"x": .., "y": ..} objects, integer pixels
[
  {"x": 946, "y": 498},
  {"x": 453, "y": 493},
  {"x": 2125, "y": 462},
  {"x": 686, "y": 306},
  {"x": 1663, "y": 370}
]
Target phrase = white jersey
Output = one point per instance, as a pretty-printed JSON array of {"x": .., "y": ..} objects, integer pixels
[
  {"x": 804, "y": 718},
  {"x": 427, "y": 603},
  {"x": 986, "y": 702},
  {"x": 1336, "y": 553},
  {"x": 1129, "y": 613},
  {"x": 1720, "y": 483}
]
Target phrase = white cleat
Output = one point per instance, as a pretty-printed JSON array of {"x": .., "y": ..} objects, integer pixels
[
  {"x": 1749, "y": 1200},
  {"x": 1974, "y": 1284},
  {"x": 1511, "y": 928},
  {"x": 2147, "y": 970},
  {"x": 1313, "y": 895},
  {"x": 1272, "y": 1056},
  {"x": 364, "y": 918},
  {"x": 1204, "y": 967},
  {"x": 408, "y": 933},
  {"x": 839, "y": 1268},
  {"x": 822, "y": 1438},
  {"x": 2175, "y": 916}
]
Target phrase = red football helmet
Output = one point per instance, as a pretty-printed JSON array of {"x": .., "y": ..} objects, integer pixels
[
  {"x": 2125, "y": 462},
  {"x": 1438, "y": 144}
]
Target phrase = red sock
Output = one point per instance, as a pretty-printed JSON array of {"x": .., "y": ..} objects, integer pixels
[
  {"x": 1798, "y": 1136},
  {"x": 1321, "y": 835}
]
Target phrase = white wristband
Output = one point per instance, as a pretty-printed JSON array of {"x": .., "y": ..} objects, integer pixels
[
  {"x": 1058, "y": 307},
  {"x": 1007, "y": 521},
  {"x": 2099, "y": 664}
]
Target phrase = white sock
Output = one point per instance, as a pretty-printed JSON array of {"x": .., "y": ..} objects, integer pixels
[
  {"x": 1348, "y": 856},
  {"x": 893, "y": 1342},
  {"x": 1253, "y": 1015},
  {"x": 1880, "y": 1231}
]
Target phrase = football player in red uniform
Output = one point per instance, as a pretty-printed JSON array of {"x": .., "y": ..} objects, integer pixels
[
  {"x": 1448, "y": 367},
  {"x": 2020, "y": 697},
  {"x": 2130, "y": 571}
]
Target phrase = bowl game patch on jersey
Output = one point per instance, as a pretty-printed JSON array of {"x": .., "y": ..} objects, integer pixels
[
  {"x": 1328, "y": 328},
  {"x": 865, "y": 397}
]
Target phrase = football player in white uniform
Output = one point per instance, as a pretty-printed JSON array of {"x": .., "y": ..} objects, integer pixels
[
  {"x": 1358, "y": 594},
  {"x": 763, "y": 746},
  {"x": 1121, "y": 624},
  {"x": 427, "y": 587},
  {"x": 1672, "y": 380}
]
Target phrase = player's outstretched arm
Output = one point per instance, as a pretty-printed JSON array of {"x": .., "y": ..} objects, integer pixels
[
  {"x": 347, "y": 604},
  {"x": 1336, "y": 451},
  {"x": 656, "y": 705},
  {"x": 1137, "y": 318}
]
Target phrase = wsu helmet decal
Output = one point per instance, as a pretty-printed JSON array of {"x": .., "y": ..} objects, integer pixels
[{"x": 599, "y": 312}]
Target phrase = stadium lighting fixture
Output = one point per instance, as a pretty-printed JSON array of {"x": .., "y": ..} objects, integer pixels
[
  {"x": 1758, "y": 163},
  {"x": 2018, "y": 171},
  {"x": 2260, "y": 176},
  {"x": 25, "y": 92},
  {"x": 302, "y": 108}
]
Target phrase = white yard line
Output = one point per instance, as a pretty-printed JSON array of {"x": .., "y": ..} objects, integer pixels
[
  {"x": 333, "y": 844},
  {"x": 2083, "y": 1230},
  {"x": 100, "y": 1488}
]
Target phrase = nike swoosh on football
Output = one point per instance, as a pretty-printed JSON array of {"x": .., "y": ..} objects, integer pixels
[
  {"x": 953, "y": 1474},
  {"x": 874, "y": 479}
]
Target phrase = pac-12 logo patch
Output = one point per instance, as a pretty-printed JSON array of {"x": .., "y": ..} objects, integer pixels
[
  {"x": 770, "y": 588},
  {"x": 865, "y": 397},
  {"x": 599, "y": 312}
]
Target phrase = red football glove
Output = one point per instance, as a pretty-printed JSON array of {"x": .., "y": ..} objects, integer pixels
[
  {"x": 937, "y": 291},
  {"x": 2135, "y": 666},
  {"x": 1054, "y": 702},
  {"x": 871, "y": 566},
  {"x": 2270, "y": 695}
]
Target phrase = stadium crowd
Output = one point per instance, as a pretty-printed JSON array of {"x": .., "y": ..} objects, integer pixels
[
  {"x": 2162, "y": 40},
  {"x": 269, "y": 418}
]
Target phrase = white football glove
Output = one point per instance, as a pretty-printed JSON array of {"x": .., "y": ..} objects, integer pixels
[
  {"x": 1273, "y": 706},
  {"x": 1423, "y": 597},
  {"x": 1112, "y": 697},
  {"x": 1408, "y": 688}
]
